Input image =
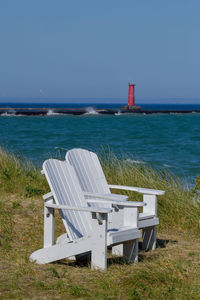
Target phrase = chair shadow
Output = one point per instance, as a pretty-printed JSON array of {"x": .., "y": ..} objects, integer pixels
[
  {"x": 160, "y": 243},
  {"x": 84, "y": 261}
]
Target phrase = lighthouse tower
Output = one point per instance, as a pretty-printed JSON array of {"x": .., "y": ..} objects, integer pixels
[
  {"x": 131, "y": 94},
  {"x": 131, "y": 107}
]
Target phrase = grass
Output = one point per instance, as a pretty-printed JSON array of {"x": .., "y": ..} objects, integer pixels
[
  {"x": 178, "y": 208},
  {"x": 21, "y": 178},
  {"x": 172, "y": 271}
]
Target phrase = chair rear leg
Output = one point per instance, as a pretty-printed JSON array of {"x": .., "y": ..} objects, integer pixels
[
  {"x": 130, "y": 251},
  {"x": 149, "y": 238}
]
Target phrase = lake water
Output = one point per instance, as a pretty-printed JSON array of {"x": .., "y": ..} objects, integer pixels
[{"x": 165, "y": 141}]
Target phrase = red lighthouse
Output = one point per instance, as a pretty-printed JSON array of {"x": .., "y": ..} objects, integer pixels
[
  {"x": 131, "y": 108},
  {"x": 131, "y": 94}
]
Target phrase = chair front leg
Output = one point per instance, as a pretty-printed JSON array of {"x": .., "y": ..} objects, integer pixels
[
  {"x": 48, "y": 224},
  {"x": 99, "y": 242},
  {"x": 117, "y": 222},
  {"x": 151, "y": 204},
  {"x": 128, "y": 217},
  {"x": 149, "y": 233}
]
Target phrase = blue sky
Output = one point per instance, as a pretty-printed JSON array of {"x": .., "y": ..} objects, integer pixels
[{"x": 91, "y": 48}]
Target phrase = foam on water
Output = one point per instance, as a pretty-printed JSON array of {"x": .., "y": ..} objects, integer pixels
[
  {"x": 52, "y": 113},
  {"x": 9, "y": 113},
  {"x": 118, "y": 113},
  {"x": 169, "y": 166},
  {"x": 90, "y": 111},
  {"x": 133, "y": 161}
]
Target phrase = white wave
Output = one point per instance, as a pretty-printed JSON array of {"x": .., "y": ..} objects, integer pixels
[
  {"x": 132, "y": 161},
  {"x": 9, "y": 113},
  {"x": 60, "y": 148},
  {"x": 118, "y": 113},
  {"x": 52, "y": 113},
  {"x": 169, "y": 166},
  {"x": 90, "y": 111}
]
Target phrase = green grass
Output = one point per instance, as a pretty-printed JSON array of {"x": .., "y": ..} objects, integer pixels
[
  {"x": 178, "y": 208},
  {"x": 21, "y": 178},
  {"x": 170, "y": 272}
]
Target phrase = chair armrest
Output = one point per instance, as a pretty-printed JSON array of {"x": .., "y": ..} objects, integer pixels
[
  {"x": 47, "y": 196},
  {"x": 116, "y": 197},
  {"x": 120, "y": 203},
  {"x": 119, "y": 197},
  {"x": 89, "y": 209},
  {"x": 137, "y": 189}
]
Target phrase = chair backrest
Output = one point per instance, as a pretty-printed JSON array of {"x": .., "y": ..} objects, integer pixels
[
  {"x": 88, "y": 170},
  {"x": 66, "y": 190}
]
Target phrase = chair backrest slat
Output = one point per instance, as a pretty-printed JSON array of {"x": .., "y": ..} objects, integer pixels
[
  {"x": 66, "y": 190},
  {"x": 88, "y": 170}
]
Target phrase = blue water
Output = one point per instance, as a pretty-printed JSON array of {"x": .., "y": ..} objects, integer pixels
[
  {"x": 100, "y": 105},
  {"x": 169, "y": 141}
]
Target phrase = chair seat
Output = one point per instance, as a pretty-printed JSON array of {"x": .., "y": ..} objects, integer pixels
[{"x": 115, "y": 236}]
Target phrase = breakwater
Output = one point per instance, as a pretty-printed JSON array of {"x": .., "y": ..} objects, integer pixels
[{"x": 80, "y": 111}]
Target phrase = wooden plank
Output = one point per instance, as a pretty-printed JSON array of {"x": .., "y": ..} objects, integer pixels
[
  {"x": 89, "y": 172},
  {"x": 151, "y": 207},
  {"x": 137, "y": 189},
  {"x": 48, "y": 223},
  {"x": 99, "y": 243},
  {"x": 89, "y": 209}
]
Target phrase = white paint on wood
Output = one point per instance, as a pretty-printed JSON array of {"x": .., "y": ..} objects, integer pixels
[
  {"x": 151, "y": 207},
  {"x": 131, "y": 215},
  {"x": 92, "y": 180},
  {"x": 99, "y": 244},
  {"x": 86, "y": 226},
  {"x": 137, "y": 189},
  {"x": 48, "y": 224},
  {"x": 66, "y": 191}
]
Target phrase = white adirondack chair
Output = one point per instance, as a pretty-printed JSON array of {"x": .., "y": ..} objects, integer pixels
[
  {"x": 86, "y": 226},
  {"x": 94, "y": 184}
]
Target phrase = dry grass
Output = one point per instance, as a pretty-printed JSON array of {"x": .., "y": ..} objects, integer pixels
[{"x": 172, "y": 271}]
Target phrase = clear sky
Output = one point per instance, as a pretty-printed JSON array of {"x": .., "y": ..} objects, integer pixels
[{"x": 90, "y": 48}]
